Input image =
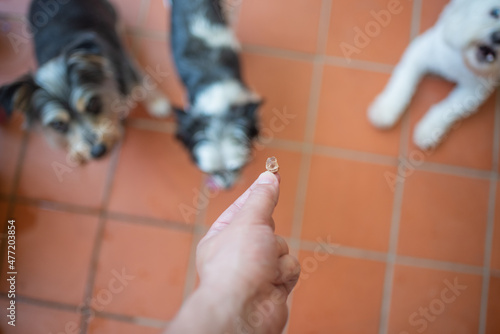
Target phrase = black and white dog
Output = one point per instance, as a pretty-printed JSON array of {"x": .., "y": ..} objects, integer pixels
[
  {"x": 84, "y": 73},
  {"x": 221, "y": 120}
]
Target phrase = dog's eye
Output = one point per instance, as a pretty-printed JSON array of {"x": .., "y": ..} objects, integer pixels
[
  {"x": 94, "y": 106},
  {"x": 495, "y": 13},
  {"x": 59, "y": 126}
]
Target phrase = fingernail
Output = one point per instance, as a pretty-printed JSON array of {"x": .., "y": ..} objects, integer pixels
[{"x": 266, "y": 178}]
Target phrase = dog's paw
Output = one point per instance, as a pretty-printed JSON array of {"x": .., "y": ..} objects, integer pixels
[
  {"x": 383, "y": 114},
  {"x": 428, "y": 135},
  {"x": 159, "y": 106}
]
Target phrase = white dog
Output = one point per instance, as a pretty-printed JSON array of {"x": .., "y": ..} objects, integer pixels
[{"x": 463, "y": 47}]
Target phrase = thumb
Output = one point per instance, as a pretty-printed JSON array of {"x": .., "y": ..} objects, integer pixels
[{"x": 261, "y": 202}]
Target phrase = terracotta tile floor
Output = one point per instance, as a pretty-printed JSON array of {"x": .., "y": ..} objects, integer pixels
[{"x": 107, "y": 248}]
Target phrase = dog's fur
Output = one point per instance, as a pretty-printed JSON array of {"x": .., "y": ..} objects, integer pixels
[
  {"x": 221, "y": 120},
  {"x": 84, "y": 72},
  {"x": 462, "y": 47}
]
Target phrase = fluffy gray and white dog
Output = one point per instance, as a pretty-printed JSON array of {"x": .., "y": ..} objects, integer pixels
[
  {"x": 84, "y": 77},
  {"x": 221, "y": 120},
  {"x": 463, "y": 47}
]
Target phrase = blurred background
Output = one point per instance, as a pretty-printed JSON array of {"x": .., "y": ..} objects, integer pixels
[{"x": 391, "y": 239}]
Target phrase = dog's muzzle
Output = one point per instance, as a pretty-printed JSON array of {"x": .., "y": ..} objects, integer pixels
[
  {"x": 495, "y": 38},
  {"x": 486, "y": 54},
  {"x": 98, "y": 151},
  {"x": 223, "y": 179}
]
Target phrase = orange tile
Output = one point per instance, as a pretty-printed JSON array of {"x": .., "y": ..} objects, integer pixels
[
  {"x": 470, "y": 144},
  {"x": 154, "y": 177},
  {"x": 11, "y": 136},
  {"x": 284, "y": 85},
  {"x": 16, "y": 51},
  {"x": 158, "y": 17},
  {"x": 287, "y": 24},
  {"x": 108, "y": 326},
  {"x": 495, "y": 253},
  {"x": 128, "y": 11},
  {"x": 53, "y": 251},
  {"x": 136, "y": 98},
  {"x": 492, "y": 321},
  {"x": 372, "y": 30},
  {"x": 289, "y": 172},
  {"x": 341, "y": 205},
  {"x": 342, "y": 114},
  {"x": 16, "y": 59},
  {"x": 37, "y": 319},
  {"x": 146, "y": 280},
  {"x": 447, "y": 214},
  {"x": 335, "y": 296},
  {"x": 422, "y": 301},
  {"x": 156, "y": 60},
  {"x": 431, "y": 9},
  {"x": 47, "y": 175}
]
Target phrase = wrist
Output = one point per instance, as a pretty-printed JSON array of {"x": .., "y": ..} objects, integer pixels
[{"x": 209, "y": 310}]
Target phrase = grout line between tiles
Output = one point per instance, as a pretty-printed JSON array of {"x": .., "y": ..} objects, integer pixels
[
  {"x": 345, "y": 251},
  {"x": 151, "y": 125},
  {"x": 367, "y": 254},
  {"x": 341, "y": 153},
  {"x": 81, "y": 210},
  {"x": 199, "y": 231},
  {"x": 393, "y": 244},
  {"x": 439, "y": 265},
  {"x": 415, "y": 22},
  {"x": 352, "y": 155},
  {"x": 143, "y": 12},
  {"x": 455, "y": 170},
  {"x": 359, "y": 64},
  {"x": 279, "y": 53},
  {"x": 44, "y": 303},
  {"x": 287, "y": 54},
  {"x": 495, "y": 273},
  {"x": 488, "y": 246},
  {"x": 314, "y": 97},
  {"x": 191, "y": 273},
  {"x": 148, "y": 221},
  {"x": 58, "y": 206},
  {"x": 385, "y": 308},
  {"x": 140, "y": 321},
  {"x": 87, "y": 310}
]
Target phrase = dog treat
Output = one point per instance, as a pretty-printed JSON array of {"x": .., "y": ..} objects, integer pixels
[{"x": 272, "y": 165}]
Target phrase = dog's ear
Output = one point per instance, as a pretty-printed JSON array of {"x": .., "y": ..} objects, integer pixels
[
  {"x": 85, "y": 51},
  {"x": 17, "y": 95},
  {"x": 181, "y": 115},
  {"x": 85, "y": 61},
  {"x": 252, "y": 108},
  {"x": 183, "y": 122},
  {"x": 248, "y": 110},
  {"x": 86, "y": 44}
]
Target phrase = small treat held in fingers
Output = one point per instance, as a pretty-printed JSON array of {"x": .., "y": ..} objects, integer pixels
[{"x": 272, "y": 165}]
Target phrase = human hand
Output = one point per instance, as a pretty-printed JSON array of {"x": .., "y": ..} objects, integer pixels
[{"x": 245, "y": 270}]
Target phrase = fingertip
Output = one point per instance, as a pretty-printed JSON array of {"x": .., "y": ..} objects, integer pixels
[{"x": 268, "y": 178}]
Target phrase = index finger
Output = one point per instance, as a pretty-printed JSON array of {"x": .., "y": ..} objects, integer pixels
[
  {"x": 227, "y": 216},
  {"x": 261, "y": 201}
]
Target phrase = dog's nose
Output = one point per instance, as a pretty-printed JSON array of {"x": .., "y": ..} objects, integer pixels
[
  {"x": 98, "y": 150},
  {"x": 495, "y": 37}
]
